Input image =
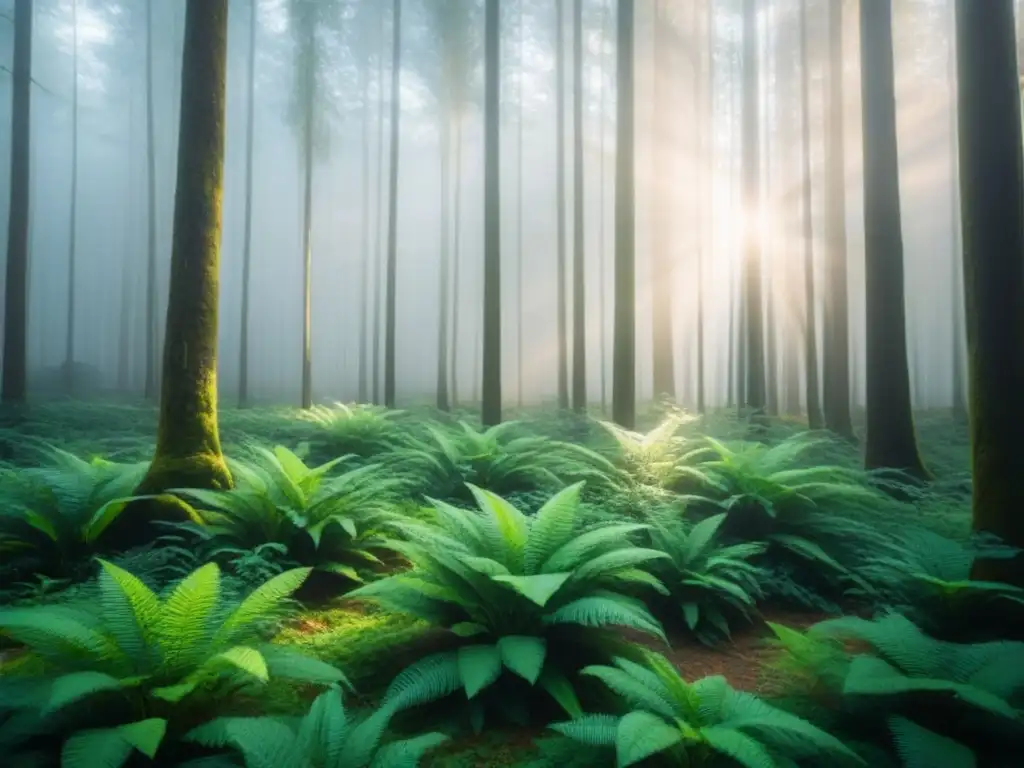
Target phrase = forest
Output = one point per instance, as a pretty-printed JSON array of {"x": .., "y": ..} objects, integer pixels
[{"x": 534, "y": 383}]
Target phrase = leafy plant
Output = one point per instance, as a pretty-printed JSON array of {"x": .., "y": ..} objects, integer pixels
[
  {"x": 652, "y": 458},
  {"x": 520, "y": 588},
  {"x": 709, "y": 582},
  {"x": 331, "y": 522},
  {"x": 136, "y": 674},
  {"x": 689, "y": 724},
  {"x": 55, "y": 515},
  {"x": 353, "y": 429},
  {"x": 327, "y": 737},
  {"x": 501, "y": 459}
]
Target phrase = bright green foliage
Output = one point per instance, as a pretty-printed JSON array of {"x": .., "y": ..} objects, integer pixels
[
  {"x": 501, "y": 459},
  {"x": 55, "y": 515},
  {"x": 653, "y": 458},
  {"x": 88, "y": 672},
  {"x": 809, "y": 516},
  {"x": 327, "y": 737},
  {"x": 359, "y": 430},
  {"x": 327, "y": 521},
  {"x": 518, "y": 586},
  {"x": 710, "y": 582},
  {"x": 972, "y": 694},
  {"x": 691, "y": 724}
]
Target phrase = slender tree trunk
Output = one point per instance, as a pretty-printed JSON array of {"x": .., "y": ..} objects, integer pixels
[
  {"x": 707, "y": 188},
  {"x": 579, "y": 312},
  {"x": 519, "y": 210},
  {"x": 490, "y": 412},
  {"x": 392, "y": 265},
  {"x": 188, "y": 450},
  {"x": 891, "y": 442},
  {"x": 69, "y": 332},
  {"x": 752, "y": 309},
  {"x": 814, "y": 418},
  {"x": 992, "y": 210},
  {"x": 307, "y": 241},
  {"x": 624, "y": 349},
  {"x": 364, "y": 257},
  {"x": 662, "y": 361},
  {"x": 152, "y": 330},
  {"x": 16, "y": 285},
  {"x": 444, "y": 280},
  {"x": 957, "y": 315},
  {"x": 770, "y": 172},
  {"x": 562, "y": 280},
  {"x": 602, "y": 249},
  {"x": 836, "y": 391},
  {"x": 378, "y": 260},
  {"x": 456, "y": 261},
  {"x": 250, "y": 126}
]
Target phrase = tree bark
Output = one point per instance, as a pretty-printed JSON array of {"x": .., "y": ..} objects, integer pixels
[
  {"x": 579, "y": 304},
  {"x": 957, "y": 315},
  {"x": 69, "y": 331},
  {"x": 490, "y": 412},
  {"x": 152, "y": 330},
  {"x": 307, "y": 236},
  {"x": 250, "y": 125},
  {"x": 562, "y": 278},
  {"x": 392, "y": 264},
  {"x": 662, "y": 362}
]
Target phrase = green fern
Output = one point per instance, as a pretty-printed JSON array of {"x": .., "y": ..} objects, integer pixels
[{"x": 354, "y": 429}]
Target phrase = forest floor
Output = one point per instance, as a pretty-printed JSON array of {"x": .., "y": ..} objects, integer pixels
[{"x": 126, "y": 434}]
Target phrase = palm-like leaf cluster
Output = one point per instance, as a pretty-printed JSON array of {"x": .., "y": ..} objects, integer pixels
[
  {"x": 518, "y": 586},
  {"x": 689, "y": 723},
  {"x": 653, "y": 459},
  {"x": 137, "y": 671}
]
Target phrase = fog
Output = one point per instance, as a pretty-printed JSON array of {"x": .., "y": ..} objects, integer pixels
[{"x": 111, "y": 231}]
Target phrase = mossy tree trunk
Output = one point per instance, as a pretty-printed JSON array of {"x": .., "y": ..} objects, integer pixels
[
  {"x": 891, "y": 442},
  {"x": 188, "y": 450},
  {"x": 16, "y": 285},
  {"x": 624, "y": 337},
  {"x": 490, "y": 413},
  {"x": 992, "y": 215}
]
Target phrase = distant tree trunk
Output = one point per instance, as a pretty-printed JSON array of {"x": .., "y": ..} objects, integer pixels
[
  {"x": 891, "y": 442},
  {"x": 707, "y": 189},
  {"x": 188, "y": 450},
  {"x": 662, "y": 362},
  {"x": 16, "y": 285},
  {"x": 444, "y": 280},
  {"x": 490, "y": 412},
  {"x": 602, "y": 249},
  {"x": 771, "y": 281},
  {"x": 152, "y": 330},
  {"x": 521, "y": 309},
  {"x": 814, "y": 418},
  {"x": 250, "y": 125},
  {"x": 957, "y": 315},
  {"x": 751, "y": 306},
  {"x": 579, "y": 313},
  {"x": 456, "y": 262},
  {"x": 378, "y": 259},
  {"x": 365, "y": 260},
  {"x": 624, "y": 348},
  {"x": 392, "y": 265},
  {"x": 562, "y": 280},
  {"x": 307, "y": 238},
  {"x": 69, "y": 331},
  {"x": 992, "y": 210},
  {"x": 836, "y": 390}
]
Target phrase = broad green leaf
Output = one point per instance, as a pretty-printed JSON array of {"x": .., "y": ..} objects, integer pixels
[
  {"x": 479, "y": 666},
  {"x": 523, "y": 655},
  {"x": 538, "y": 588},
  {"x": 640, "y": 735}
]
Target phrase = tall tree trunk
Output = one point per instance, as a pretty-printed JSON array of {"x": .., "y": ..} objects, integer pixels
[
  {"x": 579, "y": 313},
  {"x": 770, "y": 187},
  {"x": 378, "y": 258},
  {"x": 707, "y": 188},
  {"x": 152, "y": 330},
  {"x": 250, "y": 126},
  {"x": 490, "y": 411},
  {"x": 891, "y": 442},
  {"x": 602, "y": 247},
  {"x": 16, "y": 285},
  {"x": 521, "y": 309},
  {"x": 662, "y": 362},
  {"x": 392, "y": 265},
  {"x": 624, "y": 346},
  {"x": 992, "y": 210},
  {"x": 307, "y": 239},
  {"x": 836, "y": 390},
  {"x": 957, "y": 314},
  {"x": 444, "y": 280},
  {"x": 364, "y": 257},
  {"x": 456, "y": 261},
  {"x": 188, "y": 450},
  {"x": 751, "y": 306},
  {"x": 562, "y": 279},
  {"x": 814, "y": 418},
  {"x": 69, "y": 331}
]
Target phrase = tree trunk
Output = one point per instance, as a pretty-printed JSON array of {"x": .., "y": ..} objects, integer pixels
[
  {"x": 307, "y": 240},
  {"x": 992, "y": 210},
  {"x": 562, "y": 279},
  {"x": 490, "y": 412},
  {"x": 364, "y": 257},
  {"x": 751, "y": 306},
  {"x": 16, "y": 285},
  {"x": 519, "y": 212},
  {"x": 456, "y": 261},
  {"x": 957, "y": 315},
  {"x": 579, "y": 313},
  {"x": 707, "y": 188},
  {"x": 662, "y": 362},
  {"x": 624, "y": 344},
  {"x": 444, "y": 280},
  {"x": 602, "y": 248},
  {"x": 69, "y": 331},
  {"x": 814, "y": 418},
  {"x": 392, "y": 265},
  {"x": 250, "y": 125},
  {"x": 188, "y": 450},
  {"x": 378, "y": 259},
  {"x": 891, "y": 442},
  {"x": 152, "y": 330},
  {"x": 836, "y": 390}
]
